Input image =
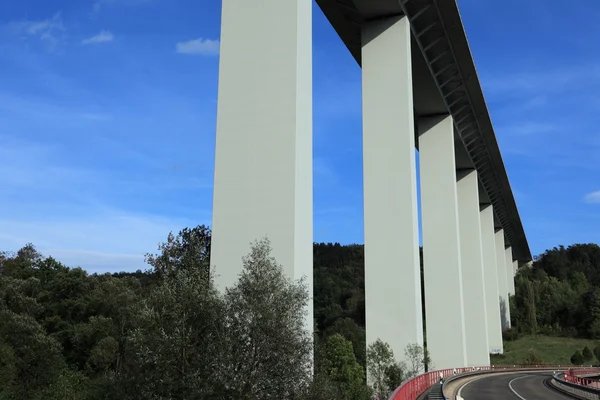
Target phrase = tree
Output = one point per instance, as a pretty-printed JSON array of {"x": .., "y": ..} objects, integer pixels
[
  {"x": 417, "y": 358},
  {"x": 167, "y": 333},
  {"x": 70, "y": 385},
  {"x": 189, "y": 249},
  {"x": 380, "y": 358},
  {"x": 385, "y": 373},
  {"x": 267, "y": 349},
  {"x": 177, "y": 345},
  {"x": 530, "y": 306},
  {"x": 349, "y": 329},
  {"x": 321, "y": 388},
  {"x": 31, "y": 360},
  {"x": 587, "y": 354},
  {"x": 395, "y": 374},
  {"x": 19, "y": 264},
  {"x": 533, "y": 358},
  {"x": 340, "y": 367},
  {"x": 577, "y": 358}
]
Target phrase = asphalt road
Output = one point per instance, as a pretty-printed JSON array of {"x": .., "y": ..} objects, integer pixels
[{"x": 511, "y": 387}]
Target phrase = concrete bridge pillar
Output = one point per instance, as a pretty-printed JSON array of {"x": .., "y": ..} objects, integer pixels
[
  {"x": 502, "y": 284},
  {"x": 444, "y": 309},
  {"x": 473, "y": 274},
  {"x": 510, "y": 282},
  {"x": 510, "y": 273},
  {"x": 263, "y": 159},
  {"x": 392, "y": 275},
  {"x": 488, "y": 244}
]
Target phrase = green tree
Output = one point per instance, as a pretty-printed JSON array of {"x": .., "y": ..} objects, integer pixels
[
  {"x": 529, "y": 303},
  {"x": 189, "y": 249},
  {"x": 577, "y": 358},
  {"x": 267, "y": 347},
  {"x": 349, "y": 329},
  {"x": 380, "y": 358},
  {"x": 70, "y": 385},
  {"x": 533, "y": 358},
  {"x": 395, "y": 374},
  {"x": 385, "y": 373},
  {"x": 31, "y": 360},
  {"x": 9, "y": 371},
  {"x": 417, "y": 358},
  {"x": 340, "y": 367},
  {"x": 587, "y": 354},
  {"x": 176, "y": 346},
  {"x": 321, "y": 388}
]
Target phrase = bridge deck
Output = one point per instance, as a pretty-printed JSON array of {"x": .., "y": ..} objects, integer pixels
[{"x": 444, "y": 81}]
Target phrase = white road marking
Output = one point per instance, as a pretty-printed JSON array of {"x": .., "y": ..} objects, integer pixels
[
  {"x": 513, "y": 390},
  {"x": 459, "y": 395}
]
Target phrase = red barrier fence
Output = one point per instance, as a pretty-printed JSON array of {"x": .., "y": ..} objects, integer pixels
[
  {"x": 578, "y": 377},
  {"x": 414, "y": 387},
  {"x": 584, "y": 371}
]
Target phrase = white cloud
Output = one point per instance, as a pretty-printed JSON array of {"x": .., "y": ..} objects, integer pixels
[
  {"x": 51, "y": 30},
  {"x": 593, "y": 197},
  {"x": 201, "y": 46},
  {"x": 102, "y": 37}
]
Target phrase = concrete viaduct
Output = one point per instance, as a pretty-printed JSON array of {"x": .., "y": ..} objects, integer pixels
[{"x": 419, "y": 90}]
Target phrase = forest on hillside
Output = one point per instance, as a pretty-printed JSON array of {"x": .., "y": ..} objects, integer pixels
[
  {"x": 559, "y": 295},
  {"x": 165, "y": 333}
]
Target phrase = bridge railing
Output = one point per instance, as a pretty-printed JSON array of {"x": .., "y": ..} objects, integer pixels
[
  {"x": 577, "y": 386},
  {"x": 581, "y": 377},
  {"x": 412, "y": 388}
]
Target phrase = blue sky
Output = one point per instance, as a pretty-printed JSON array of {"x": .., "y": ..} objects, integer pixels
[{"x": 107, "y": 122}]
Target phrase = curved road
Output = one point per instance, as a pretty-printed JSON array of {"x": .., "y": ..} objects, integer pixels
[{"x": 524, "y": 386}]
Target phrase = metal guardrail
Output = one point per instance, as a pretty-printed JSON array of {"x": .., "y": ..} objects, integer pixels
[
  {"x": 577, "y": 386},
  {"x": 578, "y": 377},
  {"x": 412, "y": 388}
]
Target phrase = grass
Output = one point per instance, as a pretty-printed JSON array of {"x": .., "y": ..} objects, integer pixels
[{"x": 553, "y": 350}]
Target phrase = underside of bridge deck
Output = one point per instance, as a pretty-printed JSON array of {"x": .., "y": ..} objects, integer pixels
[{"x": 444, "y": 81}]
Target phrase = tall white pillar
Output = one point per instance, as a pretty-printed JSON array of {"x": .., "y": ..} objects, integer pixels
[
  {"x": 263, "y": 158},
  {"x": 515, "y": 268},
  {"x": 509, "y": 282},
  {"x": 510, "y": 273},
  {"x": 441, "y": 244},
  {"x": 488, "y": 244},
  {"x": 392, "y": 272},
  {"x": 502, "y": 286},
  {"x": 476, "y": 328}
]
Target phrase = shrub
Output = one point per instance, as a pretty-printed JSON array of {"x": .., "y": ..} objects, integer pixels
[
  {"x": 533, "y": 358},
  {"x": 587, "y": 354},
  {"x": 577, "y": 358},
  {"x": 509, "y": 334}
]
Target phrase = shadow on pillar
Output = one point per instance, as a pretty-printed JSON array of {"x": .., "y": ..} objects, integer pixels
[
  {"x": 503, "y": 314},
  {"x": 423, "y": 314}
]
